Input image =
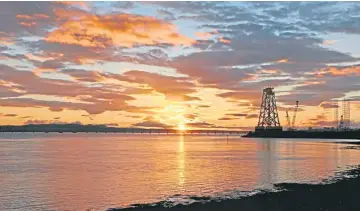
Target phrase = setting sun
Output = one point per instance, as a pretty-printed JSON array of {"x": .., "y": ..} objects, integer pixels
[{"x": 182, "y": 127}]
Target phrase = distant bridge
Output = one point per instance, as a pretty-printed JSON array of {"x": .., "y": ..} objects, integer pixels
[{"x": 99, "y": 129}]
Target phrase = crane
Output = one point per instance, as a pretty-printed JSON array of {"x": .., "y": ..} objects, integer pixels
[
  {"x": 342, "y": 123},
  {"x": 288, "y": 118},
  {"x": 294, "y": 117}
]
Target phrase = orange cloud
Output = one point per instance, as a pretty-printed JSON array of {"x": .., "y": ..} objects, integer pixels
[
  {"x": 87, "y": 76},
  {"x": 174, "y": 88},
  {"x": 94, "y": 100},
  {"x": 30, "y": 20},
  {"x": 314, "y": 82},
  {"x": 223, "y": 40},
  {"x": 203, "y": 35},
  {"x": 127, "y": 30},
  {"x": 32, "y": 17},
  {"x": 37, "y": 58},
  {"x": 270, "y": 71},
  {"x": 40, "y": 16},
  {"x": 39, "y": 71},
  {"x": 43, "y": 57},
  {"x": 48, "y": 66},
  {"x": 26, "y": 17},
  {"x": 5, "y": 39},
  {"x": 329, "y": 42},
  {"x": 28, "y": 24},
  {"x": 150, "y": 122},
  {"x": 338, "y": 71},
  {"x": 206, "y": 35},
  {"x": 284, "y": 60}
]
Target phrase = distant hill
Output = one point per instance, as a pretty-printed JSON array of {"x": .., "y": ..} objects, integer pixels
[
  {"x": 74, "y": 128},
  {"x": 64, "y": 128}
]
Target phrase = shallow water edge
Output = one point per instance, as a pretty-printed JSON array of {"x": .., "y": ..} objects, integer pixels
[{"x": 334, "y": 194}]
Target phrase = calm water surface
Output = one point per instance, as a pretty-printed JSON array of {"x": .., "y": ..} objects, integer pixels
[{"x": 99, "y": 171}]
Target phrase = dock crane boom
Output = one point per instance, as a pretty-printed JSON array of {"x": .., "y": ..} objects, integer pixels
[
  {"x": 288, "y": 118},
  {"x": 294, "y": 117}
]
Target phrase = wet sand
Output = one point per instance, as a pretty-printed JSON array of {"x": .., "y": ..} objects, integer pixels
[{"x": 339, "y": 195}]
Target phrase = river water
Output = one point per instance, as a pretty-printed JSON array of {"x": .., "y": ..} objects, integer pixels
[{"x": 100, "y": 171}]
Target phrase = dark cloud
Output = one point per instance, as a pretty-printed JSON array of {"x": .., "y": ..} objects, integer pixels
[
  {"x": 227, "y": 118},
  {"x": 305, "y": 17},
  {"x": 251, "y": 116},
  {"x": 134, "y": 116},
  {"x": 244, "y": 104},
  {"x": 48, "y": 66},
  {"x": 200, "y": 125},
  {"x": 32, "y": 84},
  {"x": 329, "y": 105},
  {"x": 207, "y": 11},
  {"x": 205, "y": 125},
  {"x": 8, "y": 115},
  {"x": 84, "y": 75},
  {"x": 264, "y": 39},
  {"x": 203, "y": 106},
  {"x": 57, "y": 106},
  {"x": 237, "y": 115},
  {"x": 124, "y": 4},
  {"x": 90, "y": 116},
  {"x": 112, "y": 124},
  {"x": 150, "y": 122},
  {"x": 187, "y": 98},
  {"x": 56, "y": 109},
  {"x": 319, "y": 120},
  {"x": 312, "y": 93},
  {"x": 5, "y": 91},
  {"x": 263, "y": 48},
  {"x": 10, "y": 22},
  {"x": 166, "y": 15},
  {"x": 190, "y": 116},
  {"x": 40, "y": 122}
]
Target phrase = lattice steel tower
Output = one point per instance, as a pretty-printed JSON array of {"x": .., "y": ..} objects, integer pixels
[
  {"x": 268, "y": 118},
  {"x": 346, "y": 113},
  {"x": 345, "y": 117}
]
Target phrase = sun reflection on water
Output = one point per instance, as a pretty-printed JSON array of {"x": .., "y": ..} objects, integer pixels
[{"x": 181, "y": 160}]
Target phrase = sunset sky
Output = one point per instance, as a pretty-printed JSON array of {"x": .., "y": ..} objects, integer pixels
[{"x": 176, "y": 64}]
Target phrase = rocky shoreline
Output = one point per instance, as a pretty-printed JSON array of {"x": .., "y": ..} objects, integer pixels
[{"x": 340, "y": 194}]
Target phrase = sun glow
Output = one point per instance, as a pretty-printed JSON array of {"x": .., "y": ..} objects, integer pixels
[{"x": 182, "y": 127}]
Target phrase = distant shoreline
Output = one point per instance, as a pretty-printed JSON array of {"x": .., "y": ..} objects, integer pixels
[
  {"x": 350, "y": 134},
  {"x": 337, "y": 196},
  {"x": 78, "y": 128},
  {"x": 128, "y": 133}
]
